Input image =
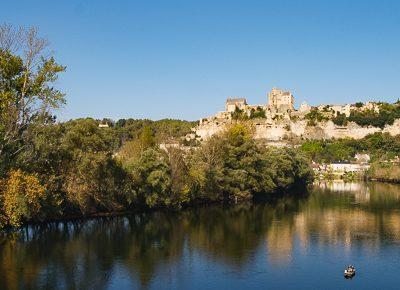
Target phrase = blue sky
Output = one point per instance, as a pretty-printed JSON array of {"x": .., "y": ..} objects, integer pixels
[{"x": 181, "y": 59}]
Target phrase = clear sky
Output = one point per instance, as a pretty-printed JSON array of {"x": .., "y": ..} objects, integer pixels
[{"x": 181, "y": 59}]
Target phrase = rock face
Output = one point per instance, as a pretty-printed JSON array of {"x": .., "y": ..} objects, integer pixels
[
  {"x": 206, "y": 130},
  {"x": 284, "y": 130},
  {"x": 394, "y": 129}
]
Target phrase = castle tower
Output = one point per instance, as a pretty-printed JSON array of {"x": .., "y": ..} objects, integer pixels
[{"x": 280, "y": 100}]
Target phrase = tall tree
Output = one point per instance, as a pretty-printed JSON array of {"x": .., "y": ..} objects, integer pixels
[{"x": 27, "y": 94}]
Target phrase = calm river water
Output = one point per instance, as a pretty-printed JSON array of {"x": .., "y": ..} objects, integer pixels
[{"x": 289, "y": 243}]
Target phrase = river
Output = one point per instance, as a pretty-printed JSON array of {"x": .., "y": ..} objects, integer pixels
[{"x": 287, "y": 243}]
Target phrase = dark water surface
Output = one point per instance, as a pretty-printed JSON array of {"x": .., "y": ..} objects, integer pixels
[{"x": 291, "y": 243}]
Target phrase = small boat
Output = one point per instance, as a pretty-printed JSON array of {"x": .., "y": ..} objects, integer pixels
[{"x": 349, "y": 272}]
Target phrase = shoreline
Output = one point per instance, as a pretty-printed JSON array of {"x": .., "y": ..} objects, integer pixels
[{"x": 257, "y": 199}]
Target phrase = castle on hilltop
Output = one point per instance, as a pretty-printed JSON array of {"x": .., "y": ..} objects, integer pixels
[
  {"x": 279, "y": 103},
  {"x": 278, "y": 120}
]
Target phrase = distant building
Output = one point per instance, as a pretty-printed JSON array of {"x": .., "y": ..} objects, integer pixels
[
  {"x": 362, "y": 158},
  {"x": 232, "y": 104},
  {"x": 280, "y": 100},
  {"x": 103, "y": 125},
  {"x": 346, "y": 167}
]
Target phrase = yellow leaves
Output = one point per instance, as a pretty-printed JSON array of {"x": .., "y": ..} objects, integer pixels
[
  {"x": 185, "y": 194},
  {"x": 239, "y": 133},
  {"x": 22, "y": 196}
]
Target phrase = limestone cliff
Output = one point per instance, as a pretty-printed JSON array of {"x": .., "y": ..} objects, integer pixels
[{"x": 286, "y": 129}]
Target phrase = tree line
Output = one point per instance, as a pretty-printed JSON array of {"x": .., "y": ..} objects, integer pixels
[{"x": 381, "y": 146}]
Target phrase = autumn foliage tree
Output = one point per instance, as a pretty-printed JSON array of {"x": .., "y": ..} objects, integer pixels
[{"x": 22, "y": 197}]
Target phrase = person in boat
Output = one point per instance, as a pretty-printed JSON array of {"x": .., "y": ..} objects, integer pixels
[{"x": 350, "y": 271}]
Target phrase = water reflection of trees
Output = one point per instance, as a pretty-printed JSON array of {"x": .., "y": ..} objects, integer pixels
[
  {"x": 86, "y": 254},
  {"x": 83, "y": 255}
]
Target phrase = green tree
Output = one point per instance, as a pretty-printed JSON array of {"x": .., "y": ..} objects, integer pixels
[
  {"x": 180, "y": 187},
  {"x": 146, "y": 138},
  {"x": 152, "y": 179},
  {"x": 27, "y": 94},
  {"x": 313, "y": 148},
  {"x": 233, "y": 166}
]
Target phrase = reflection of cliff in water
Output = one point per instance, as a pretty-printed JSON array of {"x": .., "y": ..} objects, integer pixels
[{"x": 86, "y": 254}]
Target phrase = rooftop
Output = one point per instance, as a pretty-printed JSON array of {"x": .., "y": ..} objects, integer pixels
[{"x": 235, "y": 100}]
